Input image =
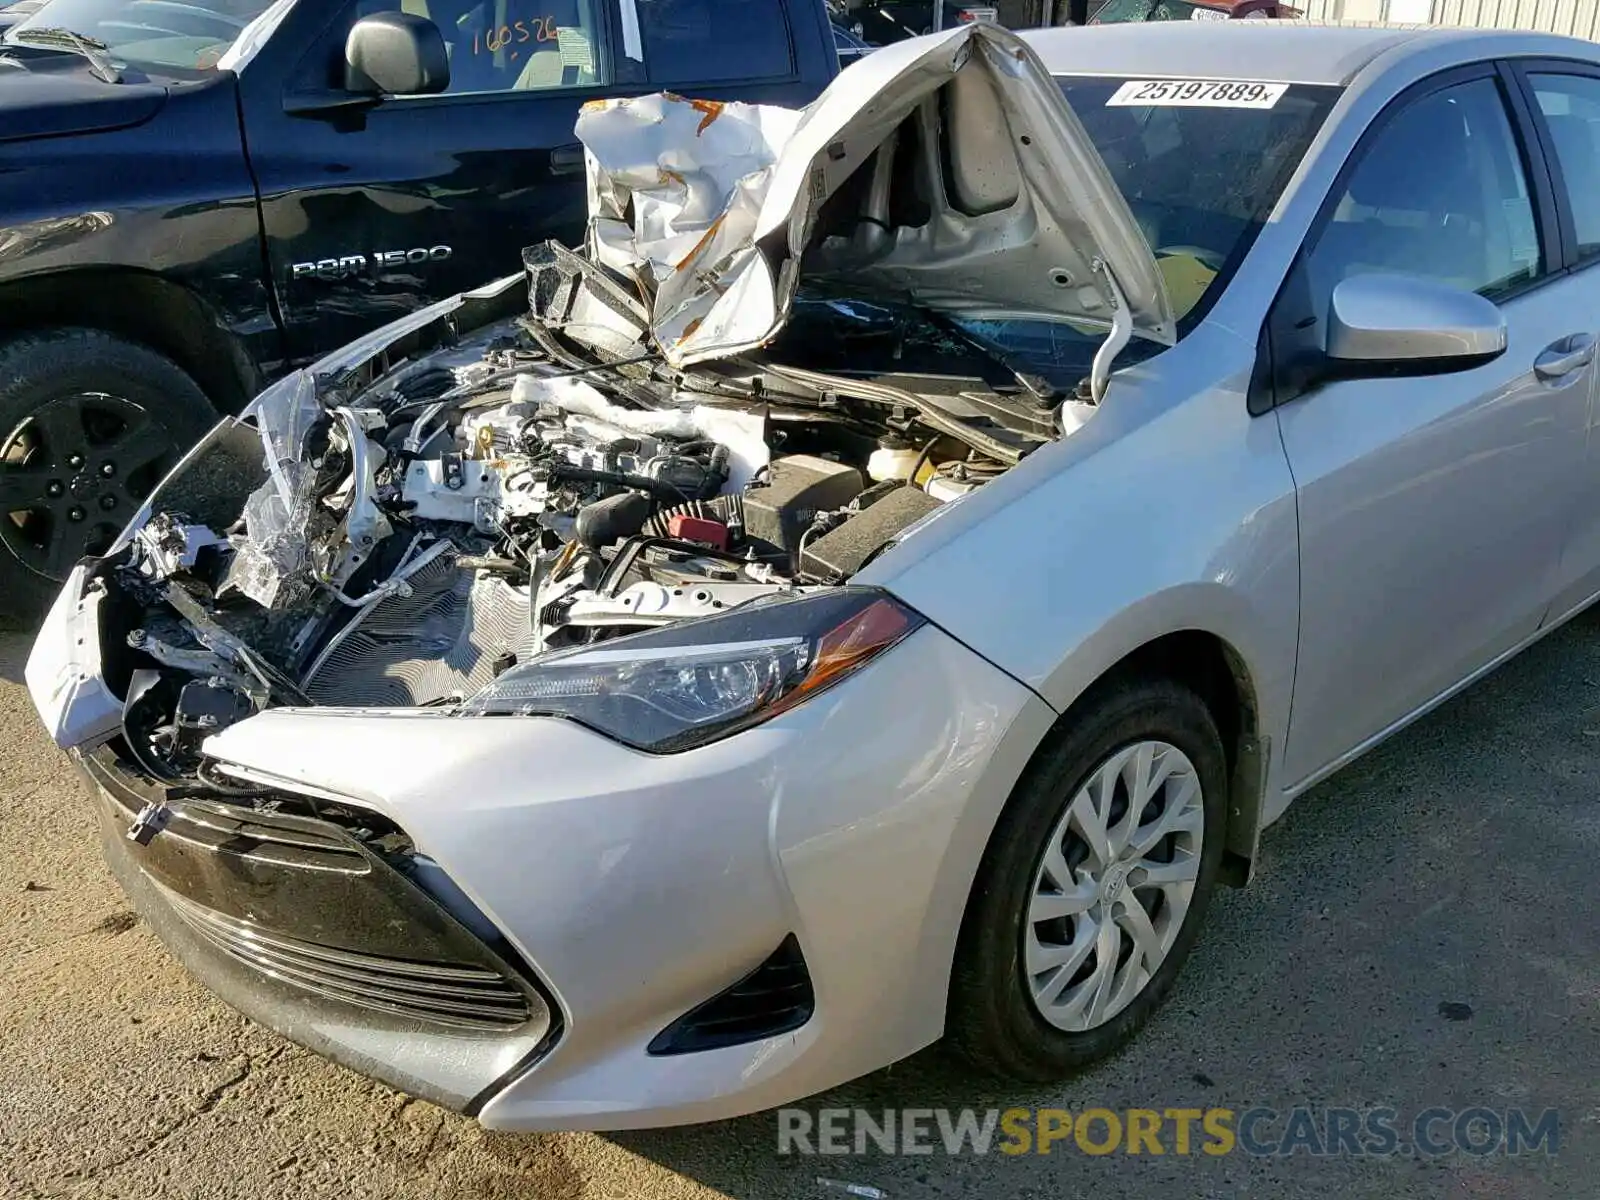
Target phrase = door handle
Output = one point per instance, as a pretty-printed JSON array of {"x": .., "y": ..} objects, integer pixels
[
  {"x": 1563, "y": 357},
  {"x": 566, "y": 160}
]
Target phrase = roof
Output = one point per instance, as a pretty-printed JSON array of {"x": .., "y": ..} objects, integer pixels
[{"x": 1272, "y": 51}]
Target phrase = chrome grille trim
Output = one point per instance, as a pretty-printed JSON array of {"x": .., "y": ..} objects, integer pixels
[{"x": 456, "y": 995}]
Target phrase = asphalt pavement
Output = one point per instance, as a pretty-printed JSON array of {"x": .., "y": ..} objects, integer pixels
[{"x": 1422, "y": 934}]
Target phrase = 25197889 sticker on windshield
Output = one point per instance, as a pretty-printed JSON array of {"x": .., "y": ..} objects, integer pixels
[{"x": 1198, "y": 93}]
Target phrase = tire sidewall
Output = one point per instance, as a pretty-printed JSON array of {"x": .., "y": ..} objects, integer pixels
[
  {"x": 990, "y": 1002},
  {"x": 37, "y": 368}
]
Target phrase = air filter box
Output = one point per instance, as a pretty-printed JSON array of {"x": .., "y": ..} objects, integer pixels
[
  {"x": 799, "y": 487},
  {"x": 842, "y": 552}
]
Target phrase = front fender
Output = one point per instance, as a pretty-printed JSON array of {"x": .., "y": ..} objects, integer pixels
[{"x": 1172, "y": 509}]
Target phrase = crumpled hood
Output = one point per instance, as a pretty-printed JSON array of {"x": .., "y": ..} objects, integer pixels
[
  {"x": 711, "y": 206},
  {"x": 47, "y": 93}
]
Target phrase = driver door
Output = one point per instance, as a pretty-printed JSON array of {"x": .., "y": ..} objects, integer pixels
[
  {"x": 1432, "y": 509},
  {"x": 373, "y": 210}
]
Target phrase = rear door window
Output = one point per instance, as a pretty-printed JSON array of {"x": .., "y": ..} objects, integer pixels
[
  {"x": 1570, "y": 106},
  {"x": 697, "y": 42}
]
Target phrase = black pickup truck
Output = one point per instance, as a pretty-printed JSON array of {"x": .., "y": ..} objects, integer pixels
[{"x": 197, "y": 196}]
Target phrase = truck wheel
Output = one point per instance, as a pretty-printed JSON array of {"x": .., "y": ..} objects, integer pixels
[
  {"x": 1093, "y": 887},
  {"x": 89, "y": 423}
]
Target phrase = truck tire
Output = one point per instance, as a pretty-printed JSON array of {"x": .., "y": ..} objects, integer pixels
[{"x": 89, "y": 423}]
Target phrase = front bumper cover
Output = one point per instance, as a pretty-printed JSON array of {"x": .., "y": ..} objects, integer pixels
[
  {"x": 624, "y": 889},
  {"x": 302, "y": 927}
]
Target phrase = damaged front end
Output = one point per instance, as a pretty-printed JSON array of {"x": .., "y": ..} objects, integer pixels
[
  {"x": 626, "y": 494},
  {"x": 752, "y": 383},
  {"x": 432, "y": 536}
]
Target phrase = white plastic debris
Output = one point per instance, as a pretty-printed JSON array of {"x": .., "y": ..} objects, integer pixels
[
  {"x": 864, "y": 1190},
  {"x": 576, "y": 396},
  {"x": 166, "y": 545}
]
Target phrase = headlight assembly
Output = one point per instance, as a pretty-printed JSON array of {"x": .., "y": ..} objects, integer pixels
[{"x": 688, "y": 684}]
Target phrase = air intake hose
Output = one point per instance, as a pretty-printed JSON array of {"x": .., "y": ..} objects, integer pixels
[{"x": 728, "y": 509}]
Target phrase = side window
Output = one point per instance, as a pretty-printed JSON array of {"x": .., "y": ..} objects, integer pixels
[
  {"x": 1571, "y": 108},
  {"x": 1438, "y": 193},
  {"x": 697, "y": 42},
  {"x": 1115, "y": 12},
  {"x": 513, "y": 45}
]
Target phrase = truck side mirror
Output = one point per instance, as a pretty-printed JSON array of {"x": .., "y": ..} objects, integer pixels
[{"x": 395, "y": 54}]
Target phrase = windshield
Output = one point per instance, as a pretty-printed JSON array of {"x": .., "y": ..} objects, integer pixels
[
  {"x": 151, "y": 33},
  {"x": 843, "y": 330},
  {"x": 1201, "y": 167},
  {"x": 1200, "y": 171}
]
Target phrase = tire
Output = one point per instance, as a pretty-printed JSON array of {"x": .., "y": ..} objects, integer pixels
[
  {"x": 89, "y": 423},
  {"x": 994, "y": 1020}
]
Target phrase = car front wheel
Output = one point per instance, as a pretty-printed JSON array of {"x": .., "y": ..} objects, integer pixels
[
  {"x": 89, "y": 423},
  {"x": 1093, "y": 886}
]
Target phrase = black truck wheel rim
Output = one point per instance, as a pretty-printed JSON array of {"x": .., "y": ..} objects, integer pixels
[{"x": 73, "y": 473}]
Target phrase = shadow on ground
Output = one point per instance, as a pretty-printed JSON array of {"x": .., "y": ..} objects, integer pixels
[{"x": 16, "y": 639}]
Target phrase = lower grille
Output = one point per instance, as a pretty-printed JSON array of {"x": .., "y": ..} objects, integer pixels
[{"x": 442, "y": 993}]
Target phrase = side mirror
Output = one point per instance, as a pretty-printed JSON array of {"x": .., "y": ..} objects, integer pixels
[
  {"x": 395, "y": 54},
  {"x": 1397, "y": 323}
]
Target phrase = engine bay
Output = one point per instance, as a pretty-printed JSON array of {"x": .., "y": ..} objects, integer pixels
[{"x": 400, "y": 534}]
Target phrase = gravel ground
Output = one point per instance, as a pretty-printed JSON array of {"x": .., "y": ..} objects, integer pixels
[{"x": 1422, "y": 933}]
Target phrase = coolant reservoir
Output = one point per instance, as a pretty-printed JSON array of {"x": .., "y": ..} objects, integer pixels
[
  {"x": 1073, "y": 415},
  {"x": 893, "y": 459},
  {"x": 945, "y": 489}
]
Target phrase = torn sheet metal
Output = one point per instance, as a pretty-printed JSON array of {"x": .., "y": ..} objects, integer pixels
[
  {"x": 678, "y": 168},
  {"x": 710, "y": 207}
]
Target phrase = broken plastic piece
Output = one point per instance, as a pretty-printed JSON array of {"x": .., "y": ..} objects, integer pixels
[
  {"x": 168, "y": 545},
  {"x": 152, "y": 819},
  {"x": 865, "y": 1190}
]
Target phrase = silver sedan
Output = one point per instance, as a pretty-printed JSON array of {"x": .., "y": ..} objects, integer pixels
[{"x": 882, "y": 586}]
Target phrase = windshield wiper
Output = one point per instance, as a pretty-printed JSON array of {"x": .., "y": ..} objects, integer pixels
[
  {"x": 1044, "y": 394},
  {"x": 96, "y": 52}
]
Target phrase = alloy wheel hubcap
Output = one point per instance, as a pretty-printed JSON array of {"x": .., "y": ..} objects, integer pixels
[
  {"x": 73, "y": 473},
  {"x": 1113, "y": 886}
]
